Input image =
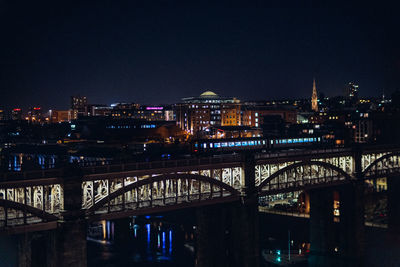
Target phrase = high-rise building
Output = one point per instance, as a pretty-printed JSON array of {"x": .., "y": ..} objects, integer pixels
[
  {"x": 352, "y": 91},
  {"x": 314, "y": 98},
  {"x": 79, "y": 105}
]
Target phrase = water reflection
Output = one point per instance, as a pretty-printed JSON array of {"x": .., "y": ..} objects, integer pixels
[{"x": 150, "y": 242}]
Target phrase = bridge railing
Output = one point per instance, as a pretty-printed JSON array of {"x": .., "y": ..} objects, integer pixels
[
  {"x": 163, "y": 164},
  {"x": 289, "y": 153}
]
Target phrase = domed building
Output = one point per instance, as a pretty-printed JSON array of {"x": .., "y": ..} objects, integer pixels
[{"x": 207, "y": 110}]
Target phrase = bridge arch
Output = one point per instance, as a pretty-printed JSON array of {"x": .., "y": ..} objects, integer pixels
[
  {"x": 185, "y": 187},
  {"x": 301, "y": 175},
  {"x": 25, "y": 209},
  {"x": 384, "y": 165}
]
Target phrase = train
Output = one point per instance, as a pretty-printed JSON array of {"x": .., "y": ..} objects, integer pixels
[{"x": 205, "y": 146}]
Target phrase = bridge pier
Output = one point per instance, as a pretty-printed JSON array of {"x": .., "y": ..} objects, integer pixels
[
  {"x": 25, "y": 250},
  {"x": 228, "y": 234},
  {"x": 70, "y": 237},
  {"x": 35, "y": 249},
  {"x": 66, "y": 245},
  {"x": 70, "y": 244},
  {"x": 393, "y": 206},
  {"x": 245, "y": 234},
  {"x": 352, "y": 225},
  {"x": 211, "y": 241},
  {"x": 321, "y": 228}
]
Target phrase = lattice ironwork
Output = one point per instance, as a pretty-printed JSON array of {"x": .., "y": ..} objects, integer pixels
[
  {"x": 96, "y": 190},
  {"x": 302, "y": 174},
  {"x": 164, "y": 190},
  {"x": 368, "y": 159},
  {"x": 15, "y": 214},
  {"x": 385, "y": 165},
  {"x": 48, "y": 198}
]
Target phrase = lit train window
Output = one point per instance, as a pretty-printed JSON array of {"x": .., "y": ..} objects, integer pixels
[
  {"x": 217, "y": 145},
  {"x": 244, "y": 143},
  {"x": 263, "y": 142},
  {"x": 205, "y": 145},
  {"x": 284, "y": 141},
  {"x": 238, "y": 143},
  {"x": 225, "y": 144},
  {"x": 289, "y": 141},
  {"x": 251, "y": 143},
  {"x": 319, "y": 139},
  {"x": 231, "y": 144},
  {"x": 211, "y": 145},
  {"x": 272, "y": 142}
]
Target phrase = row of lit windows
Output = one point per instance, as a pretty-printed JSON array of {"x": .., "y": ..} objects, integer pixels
[
  {"x": 259, "y": 142},
  {"x": 144, "y": 126}
]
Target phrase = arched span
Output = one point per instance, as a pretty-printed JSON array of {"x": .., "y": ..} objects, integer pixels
[
  {"x": 294, "y": 166},
  {"x": 28, "y": 209},
  {"x": 377, "y": 161},
  {"x": 159, "y": 178}
]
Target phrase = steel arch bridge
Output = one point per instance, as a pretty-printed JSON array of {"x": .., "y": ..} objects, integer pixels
[{"x": 122, "y": 190}]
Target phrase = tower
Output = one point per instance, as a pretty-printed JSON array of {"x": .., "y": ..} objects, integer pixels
[{"x": 314, "y": 97}]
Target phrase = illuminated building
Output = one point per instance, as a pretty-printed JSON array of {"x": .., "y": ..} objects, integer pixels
[
  {"x": 60, "y": 115},
  {"x": 99, "y": 110},
  {"x": 16, "y": 114},
  {"x": 209, "y": 109},
  {"x": 362, "y": 130},
  {"x": 35, "y": 115},
  {"x": 79, "y": 106},
  {"x": 352, "y": 91},
  {"x": 314, "y": 98},
  {"x": 230, "y": 115},
  {"x": 136, "y": 111},
  {"x": 253, "y": 116}
]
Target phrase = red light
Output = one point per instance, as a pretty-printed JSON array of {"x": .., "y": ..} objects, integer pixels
[
  {"x": 16, "y": 109},
  {"x": 37, "y": 108}
]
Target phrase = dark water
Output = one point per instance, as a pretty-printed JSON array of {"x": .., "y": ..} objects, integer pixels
[
  {"x": 170, "y": 241},
  {"x": 150, "y": 241}
]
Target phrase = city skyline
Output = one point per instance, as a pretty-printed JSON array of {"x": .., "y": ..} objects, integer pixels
[
  {"x": 67, "y": 104},
  {"x": 159, "y": 54}
]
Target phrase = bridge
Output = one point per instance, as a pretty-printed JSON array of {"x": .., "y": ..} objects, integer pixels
[{"x": 58, "y": 198}]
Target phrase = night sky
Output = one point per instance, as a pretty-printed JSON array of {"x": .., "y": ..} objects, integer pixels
[{"x": 119, "y": 52}]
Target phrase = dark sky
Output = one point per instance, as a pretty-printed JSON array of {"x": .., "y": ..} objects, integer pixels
[{"x": 160, "y": 53}]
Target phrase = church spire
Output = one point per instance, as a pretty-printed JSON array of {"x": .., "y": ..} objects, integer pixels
[{"x": 314, "y": 98}]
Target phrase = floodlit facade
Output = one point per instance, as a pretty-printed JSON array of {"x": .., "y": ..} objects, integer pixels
[{"x": 209, "y": 109}]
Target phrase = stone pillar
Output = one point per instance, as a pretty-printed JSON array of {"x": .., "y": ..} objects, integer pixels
[
  {"x": 70, "y": 238},
  {"x": 245, "y": 220},
  {"x": 35, "y": 249},
  {"x": 321, "y": 228},
  {"x": 352, "y": 225},
  {"x": 393, "y": 207},
  {"x": 228, "y": 234},
  {"x": 211, "y": 248},
  {"x": 25, "y": 250}
]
